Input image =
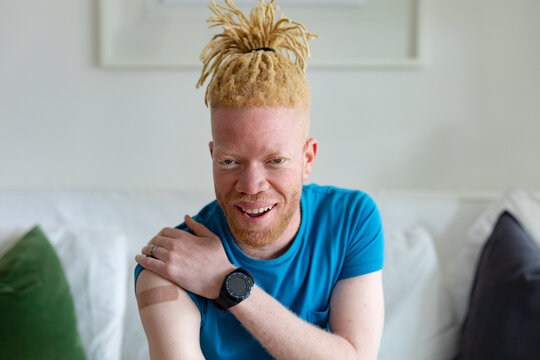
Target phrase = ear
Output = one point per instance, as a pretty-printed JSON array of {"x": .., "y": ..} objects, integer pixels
[
  {"x": 211, "y": 147},
  {"x": 310, "y": 153}
]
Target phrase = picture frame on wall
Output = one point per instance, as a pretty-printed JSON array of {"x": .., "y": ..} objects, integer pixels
[
  {"x": 353, "y": 33},
  {"x": 281, "y": 2}
]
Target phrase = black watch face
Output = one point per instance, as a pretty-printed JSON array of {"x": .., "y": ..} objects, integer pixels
[{"x": 238, "y": 286}]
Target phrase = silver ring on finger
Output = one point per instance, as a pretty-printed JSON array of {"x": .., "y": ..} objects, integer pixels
[{"x": 154, "y": 247}]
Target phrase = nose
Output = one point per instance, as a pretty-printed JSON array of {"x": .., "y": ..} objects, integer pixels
[{"x": 252, "y": 180}]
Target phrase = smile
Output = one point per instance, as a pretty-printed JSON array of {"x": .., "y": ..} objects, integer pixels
[{"x": 256, "y": 212}]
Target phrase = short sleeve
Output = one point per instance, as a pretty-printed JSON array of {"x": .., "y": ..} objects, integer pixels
[
  {"x": 365, "y": 249},
  {"x": 138, "y": 270}
]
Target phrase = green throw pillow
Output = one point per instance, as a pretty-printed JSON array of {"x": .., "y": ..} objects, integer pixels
[{"x": 37, "y": 316}]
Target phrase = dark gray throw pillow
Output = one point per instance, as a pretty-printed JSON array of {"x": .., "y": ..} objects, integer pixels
[{"x": 503, "y": 320}]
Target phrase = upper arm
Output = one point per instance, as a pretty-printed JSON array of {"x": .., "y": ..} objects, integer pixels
[
  {"x": 357, "y": 312},
  {"x": 172, "y": 327}
]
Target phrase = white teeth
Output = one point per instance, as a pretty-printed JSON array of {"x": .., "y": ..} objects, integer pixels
[{"x": 257, "y": 211}]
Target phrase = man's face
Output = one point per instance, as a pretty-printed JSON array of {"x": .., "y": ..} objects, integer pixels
[{"x": 261, "y": 156}]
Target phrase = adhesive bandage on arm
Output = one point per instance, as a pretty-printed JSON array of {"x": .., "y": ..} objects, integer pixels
[{"x": 157, "y": 295}]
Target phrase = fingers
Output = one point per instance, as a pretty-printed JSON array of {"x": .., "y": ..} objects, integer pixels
[
  {"x": 171, "y": 232},
  {"x": 151, "y": 264},
  {"x": 159, "y": 252},
  {"x": 197, "y": 228},
  {"x": 162, "y": 241}
]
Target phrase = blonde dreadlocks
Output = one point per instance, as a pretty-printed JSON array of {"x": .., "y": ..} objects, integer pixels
[{"x": 246, "y": 61}]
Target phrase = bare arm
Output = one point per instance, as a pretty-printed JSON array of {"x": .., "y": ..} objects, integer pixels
[
  {"x": 356, "y": 320},
  {"x": 172, "y": 327}
]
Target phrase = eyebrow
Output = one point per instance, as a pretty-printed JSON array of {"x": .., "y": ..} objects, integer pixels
[{"x": 222, "y": 151}]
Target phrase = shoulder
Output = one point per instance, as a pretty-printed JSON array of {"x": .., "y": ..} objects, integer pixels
[
  {"x": 210, "y": 216},
  {"x": 148, "y": 280},
  {"x": 350, "y": 213},
  {"x": 209, "y": 210},
  {"x": 338, "y": 198}
]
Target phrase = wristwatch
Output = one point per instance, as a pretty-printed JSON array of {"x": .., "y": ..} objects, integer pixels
[{"x": 235, "y": 288}]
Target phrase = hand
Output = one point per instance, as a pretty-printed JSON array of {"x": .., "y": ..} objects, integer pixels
[{"x": 197, "y": 263}]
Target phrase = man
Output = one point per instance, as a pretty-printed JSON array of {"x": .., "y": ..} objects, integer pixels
[{"x": 272, "y": 268}]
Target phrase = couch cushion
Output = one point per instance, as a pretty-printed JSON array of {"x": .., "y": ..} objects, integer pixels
[
  {"x": 38, "y": 318},
  {"x": 94, "y": 228},
  {"x": 503, "y": 320},
  {"x": 419, "y": 322},
  {"x": 460, "y": 274},
  {"x": 96, "y": 270}
]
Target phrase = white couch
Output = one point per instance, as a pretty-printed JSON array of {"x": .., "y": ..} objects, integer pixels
[{"x": 432, "y": 242}]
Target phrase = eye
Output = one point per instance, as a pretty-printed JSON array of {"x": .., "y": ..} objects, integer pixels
[
  {"x": 277, "y": 161},
  {"x": 226, "y": 163}
]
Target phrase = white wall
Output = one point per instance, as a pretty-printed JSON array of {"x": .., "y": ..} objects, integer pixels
[{"x": 468, "y": 120}]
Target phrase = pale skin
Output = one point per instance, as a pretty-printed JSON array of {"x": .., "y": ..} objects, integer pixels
[{"x": 261, "y": 156}]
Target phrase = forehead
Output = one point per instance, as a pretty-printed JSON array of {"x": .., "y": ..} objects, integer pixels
[{"x": 276, "y": 124}]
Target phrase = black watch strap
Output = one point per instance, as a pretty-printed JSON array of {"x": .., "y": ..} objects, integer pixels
[{"x": 223, "y": 303}]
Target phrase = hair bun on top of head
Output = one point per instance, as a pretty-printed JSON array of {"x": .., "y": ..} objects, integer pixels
[{"x": 250, "y": 62}]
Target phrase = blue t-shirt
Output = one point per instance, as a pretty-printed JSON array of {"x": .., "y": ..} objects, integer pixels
[{"x": 340, "y": 237}]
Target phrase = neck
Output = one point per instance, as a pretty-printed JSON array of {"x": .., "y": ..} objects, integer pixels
[{"x": 279, "y": 246}]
